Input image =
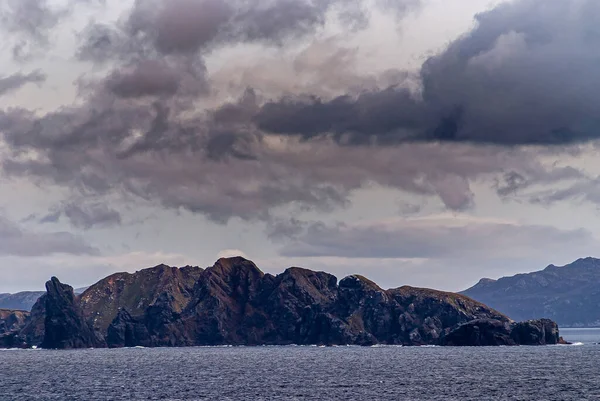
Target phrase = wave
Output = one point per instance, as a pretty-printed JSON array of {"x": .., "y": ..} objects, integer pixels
[{"x": 575, "y": 344}]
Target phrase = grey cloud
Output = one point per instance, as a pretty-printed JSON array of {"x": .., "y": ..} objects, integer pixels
[
  {"x": 356, "y": 120},
  {"x": 586, "y": 190},
  {"x": 84, "y": 215},
  {"x": 188, "y": 26},
  {"x": 141, "y": 133},
  {"x": 146, "y": 79},
  {"x": 431, "y": 239},
  {"x": 30, "y": 23},
  {"x": 52, "y": 217},
  {"x": 215, "y": 167},
  {"x": 16, "y": 81},
  {"x": 285, "y": 229},
  {"x": 276, "y": 20},
  {"x": 30, "y": 17},
  {"x": 526, "y": 74},
  {"x": 513, "y": 184},
  {"x": 87, "y": 216},
  {"x": 179, "y": 26},
  {"x": 17, "y": 241},
  {"x": 409, "y": 209}
]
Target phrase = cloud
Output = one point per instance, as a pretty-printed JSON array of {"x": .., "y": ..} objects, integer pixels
[
  {"x": 83, "y": 215},
  {"x": 179, "y": 26},
  {"x": 526, "y": 74},
  {"x": 30, "y": 18},
  {"x": 14, "y": 82},
  {"x": 18, "y": 241},
  {"x": 146, "y": 79},
  {"x": 29, "y": 23},
  {"x": 231, "y": 253},
  {"x": 223, "y": 169},
  {"x": 156, "y": 127},
  {"x": 433, "y": 238},
  {"x": 185, "y": 27}
]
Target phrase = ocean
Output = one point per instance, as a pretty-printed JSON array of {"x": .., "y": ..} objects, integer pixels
[{"x": 308, "y": 373}]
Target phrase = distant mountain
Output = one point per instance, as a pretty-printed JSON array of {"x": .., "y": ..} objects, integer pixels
[
  {"x": 569, "y": 294},
  {"x": 25, "y": 300},
  {"x": 234, "y": 302},
  {"x": 20, "y": 301}
]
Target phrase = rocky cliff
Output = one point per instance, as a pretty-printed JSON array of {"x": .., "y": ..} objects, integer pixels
[
  {"x": 64, "y": 324},
  {"x": 234, "y": 302},
  {"x": 136, "y": 292}
]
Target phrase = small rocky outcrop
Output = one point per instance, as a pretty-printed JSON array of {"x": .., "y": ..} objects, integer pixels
[
  {"x": 480, "y": 332},
  {"x": 536, "y": 332},
  {"x": 65, "y": 326},
  {"x": 486, "y": 332},
  {"x": 11, "y": 323},
  {"x": 12, "y": 320}
]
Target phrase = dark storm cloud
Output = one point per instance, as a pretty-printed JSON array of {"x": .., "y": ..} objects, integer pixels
[
  {"x": 526, "y": 74},
  {"x": 142, "y": 131},
  {"x": 16, "y": 81},
  {"x": 222, "y": 168},
  {"x": 17, "y": 241},
  {"x": 372, "y": 114}
]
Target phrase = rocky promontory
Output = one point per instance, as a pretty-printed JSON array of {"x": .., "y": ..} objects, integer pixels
[{"x": 235, "y": 303}]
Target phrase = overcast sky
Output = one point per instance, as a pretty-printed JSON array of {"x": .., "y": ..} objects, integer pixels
[{"x": 417, "y": 142}]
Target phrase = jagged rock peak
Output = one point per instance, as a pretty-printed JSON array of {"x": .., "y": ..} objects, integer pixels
[
  {"x": 64, "y": 325},
  {"x": 59, "y": 291}
]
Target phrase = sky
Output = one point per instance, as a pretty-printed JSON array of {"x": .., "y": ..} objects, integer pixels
[{"x": 417, "y": 142}]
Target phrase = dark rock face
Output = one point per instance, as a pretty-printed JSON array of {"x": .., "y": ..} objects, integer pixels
[
  {"x": 127, "y": 331},
  {"x": 136, "y": 292},
  {"x": 64, "y": 325},
  {"x": 480, "y": 332},
  {"x": 235, "y": 303},
  {"x": 567, "y": 294},
  {"x": 495, "y": 332},
  {"x": 536, "y": 332},
  {"x": 34, "y": 328}
]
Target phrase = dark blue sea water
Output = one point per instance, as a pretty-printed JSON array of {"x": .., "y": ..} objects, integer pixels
[{"x": 307, "y": 373}]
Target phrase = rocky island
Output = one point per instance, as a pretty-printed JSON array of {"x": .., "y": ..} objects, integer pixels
[{"x": 235, "y": 303}]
